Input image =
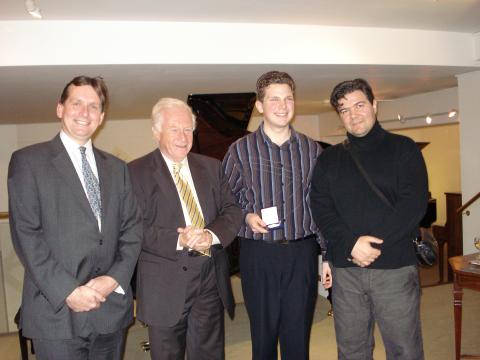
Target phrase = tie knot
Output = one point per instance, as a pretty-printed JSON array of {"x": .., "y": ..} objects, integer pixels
[
  {"x": 82, "y": 150},
  {"x": 176, "y": 168}
]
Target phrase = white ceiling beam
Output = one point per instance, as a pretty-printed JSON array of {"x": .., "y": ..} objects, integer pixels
[{"x": 31, "y": 43}]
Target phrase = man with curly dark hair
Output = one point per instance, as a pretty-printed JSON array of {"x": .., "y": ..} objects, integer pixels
[{"x": 370, "y": 236}]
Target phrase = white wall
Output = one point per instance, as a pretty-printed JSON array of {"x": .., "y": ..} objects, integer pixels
[
  {"x": 127, "y": 139},
  {"x": 12, "y": 276},
  {"x": 28, "y": 134},
  {"x": 8, "y": 142},
  {"x": 469, "y": 100}
]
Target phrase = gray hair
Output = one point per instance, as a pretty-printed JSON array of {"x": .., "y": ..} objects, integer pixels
[{"x": 166, "y": 103}]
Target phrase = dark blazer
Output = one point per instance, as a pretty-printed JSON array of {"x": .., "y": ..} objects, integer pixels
[
  {"x": 161, "y": 278},
  {"x": 57, "y": 239}
]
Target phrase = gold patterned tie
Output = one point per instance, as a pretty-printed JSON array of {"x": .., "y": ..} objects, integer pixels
[{"x": 186, "y": 194}]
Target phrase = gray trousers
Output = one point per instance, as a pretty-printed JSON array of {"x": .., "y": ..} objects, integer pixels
[
  {"x": 391, "y": 298},
  {"x": 92, "y": 347}
]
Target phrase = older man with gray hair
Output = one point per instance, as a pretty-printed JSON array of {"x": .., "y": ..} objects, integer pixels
[{"x": 190, "y": 216}]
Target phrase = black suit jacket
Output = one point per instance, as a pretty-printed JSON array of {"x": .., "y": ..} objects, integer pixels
[
  {"x": 57, "y": 239},
  {"x": 161, "y": 279}
]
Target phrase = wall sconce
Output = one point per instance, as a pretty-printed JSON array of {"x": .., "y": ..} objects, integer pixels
[
  {"x": 33, "y": 9},
  {"x": 428, "y": 119}
]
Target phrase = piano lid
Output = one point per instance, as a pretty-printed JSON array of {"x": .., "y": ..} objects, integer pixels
[{"x": 221, "y": 119}]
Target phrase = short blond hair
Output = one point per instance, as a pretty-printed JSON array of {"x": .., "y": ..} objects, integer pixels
[{"x": 166, "y": 103}]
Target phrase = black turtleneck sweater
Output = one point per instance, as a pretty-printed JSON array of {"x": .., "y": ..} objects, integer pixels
[{"x": 345, "y": 207}]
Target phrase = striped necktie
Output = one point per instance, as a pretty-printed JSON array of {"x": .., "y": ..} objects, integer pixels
[
  {"x": 187, "y": 196},
  {"x": 91, "y": 185}
]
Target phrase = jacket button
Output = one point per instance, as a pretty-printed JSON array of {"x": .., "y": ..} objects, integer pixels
[
  {"x": 101, "y": 241},
  {"x": 184, "y": 268}
]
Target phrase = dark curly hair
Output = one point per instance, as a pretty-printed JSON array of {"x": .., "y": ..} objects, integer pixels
[{"x": 349, "y": 86}]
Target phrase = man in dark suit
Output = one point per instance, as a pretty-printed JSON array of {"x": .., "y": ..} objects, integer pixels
[
  {"x": 190, "y": 215},
  {"x": 76, "y": 228}
]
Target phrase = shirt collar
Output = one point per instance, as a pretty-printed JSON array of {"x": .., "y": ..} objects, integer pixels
[
  {"x": 170, "y": 163},
  {"x": 372, "y": 138},
  {"x": 293, "y": 136},
  {"x": 72, "y": 145}
]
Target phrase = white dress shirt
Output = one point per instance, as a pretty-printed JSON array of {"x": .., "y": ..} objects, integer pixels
[
  {"x": 186, "y": 174},
  {"x": 73, "y": 150}
]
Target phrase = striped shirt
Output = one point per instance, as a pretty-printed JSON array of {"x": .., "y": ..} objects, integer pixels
[{"x": 262, "y": 174}]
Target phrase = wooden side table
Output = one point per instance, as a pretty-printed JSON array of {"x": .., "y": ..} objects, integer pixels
[{"x": 465, "y": 275}]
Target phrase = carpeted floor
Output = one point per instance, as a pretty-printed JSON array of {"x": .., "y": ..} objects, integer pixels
[{"x": 437, "y": 326}]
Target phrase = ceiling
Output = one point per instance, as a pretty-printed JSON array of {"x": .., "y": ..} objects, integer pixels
[
  {"x": 29, "y": 93},
  {"x": 32, "y": 92},
  {"x": 447, "y": 15}
]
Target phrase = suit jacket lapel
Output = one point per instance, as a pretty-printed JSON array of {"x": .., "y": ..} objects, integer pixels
[
  {"x": 63, "y": 164},
  {"x": 104, "y": 179},
  {"x": 166, "y": 185}
]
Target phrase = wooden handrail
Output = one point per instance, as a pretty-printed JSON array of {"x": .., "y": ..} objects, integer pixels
[
  {"x": 3, "y": 215},
  {"x": 462, "y": 208}
]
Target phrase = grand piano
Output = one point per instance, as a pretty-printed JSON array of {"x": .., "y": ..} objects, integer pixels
[{"x": 221, "y": 119}]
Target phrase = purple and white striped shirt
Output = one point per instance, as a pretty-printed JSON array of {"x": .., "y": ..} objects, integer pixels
[{"x": 262, "y": 174}]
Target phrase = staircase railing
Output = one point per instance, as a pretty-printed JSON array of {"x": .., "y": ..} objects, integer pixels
[{"x": 465, "y": 206}]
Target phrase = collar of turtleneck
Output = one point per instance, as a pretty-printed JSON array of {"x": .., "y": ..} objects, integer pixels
[{"x": 373, "y": 138}]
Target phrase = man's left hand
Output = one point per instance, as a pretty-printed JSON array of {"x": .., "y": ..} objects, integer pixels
[
  {"x": 195, "y": 238},
  {"x": 363, "y": 253},
  {"x": 205, "y": 243},
  {"x": 326, "y": 275},
  {"x": 103, "y": 284}
]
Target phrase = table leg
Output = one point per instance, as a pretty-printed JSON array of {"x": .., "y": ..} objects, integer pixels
[
  {"x": 457, "y": 311},
  {"x": 441, "y": 246}
]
